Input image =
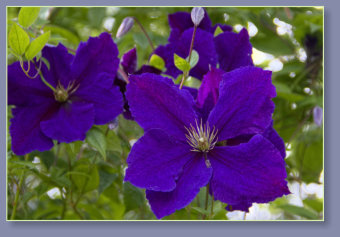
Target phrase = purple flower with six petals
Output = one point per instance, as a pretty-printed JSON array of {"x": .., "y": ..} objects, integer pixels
[
  {"x": 234, "y": 149},
  {"x": 84, "y": 95}
]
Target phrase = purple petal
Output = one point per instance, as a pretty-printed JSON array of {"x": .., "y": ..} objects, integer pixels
[
  {"x": 70, "y": 122},
  {"x": 210, "y": 85},
  {"x": 148, "y": 69},
  {"x": 59, "y": 61},
  {"x": 317, "y": 115},
  {"x": 193, "y": 91},
  {"x": 156, "y": 160},
  {"x": 167, "y": 53},
  {"x": 107, "y": 100},
  {"x": 247, "y": 173},
  {"x": 244, "y": 105},
  {"x": 97, "y": 55},
  {"x": 194, "y": 176},
  {"x": 275, "y": 139},
  {"x": 224, "y": 28},
  {"x": 241, "y": 206},
  {"x": 155, "y": 102},
  {"x": 234, "y": 50},
  {"x": 129, "y": 61},
  {"x": 25, "y": 128},
  {"x": 23, "y": 91},
  {"x": 181, "y": 21}
]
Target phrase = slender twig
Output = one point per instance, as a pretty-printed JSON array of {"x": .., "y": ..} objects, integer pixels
[
  {"x": 28, "y": 69},
  {"x": 206, "y": 201},
  {"x": 212, "y": 206},
  {"x": 145, "y": 33},
  {"x": 62, "y": 216},
  {"x": 17, "y": 194},
  {"x": 300, "y": 125},
  {"x": 185, "y": 74}
]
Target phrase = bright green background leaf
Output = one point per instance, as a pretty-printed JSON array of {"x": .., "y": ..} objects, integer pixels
[{"x": 28, "y": 15}]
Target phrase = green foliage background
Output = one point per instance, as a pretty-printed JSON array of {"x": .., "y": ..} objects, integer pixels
[{"x": 88, "y": 174}]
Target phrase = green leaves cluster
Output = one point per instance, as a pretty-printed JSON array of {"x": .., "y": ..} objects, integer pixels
[
  {"x": 185, "y": 65},
  {"x": 19, "y": 39}
]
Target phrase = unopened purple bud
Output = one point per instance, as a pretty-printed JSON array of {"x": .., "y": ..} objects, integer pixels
[
  {"x": 197, "y": 15},
  {"x": 125, "y": 26},
  {"x": 317, "y": 115}
]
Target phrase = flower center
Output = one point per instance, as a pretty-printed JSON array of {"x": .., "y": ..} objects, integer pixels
[
  {"x": 201, "y": 138},
  {"x": 61, "y": 94}
]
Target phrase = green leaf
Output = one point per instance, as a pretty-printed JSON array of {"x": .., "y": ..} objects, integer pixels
[
  {"x": 28, "y": 15},
  {"x": 200, "y": 210},
  {"x": 315, "y": 204},
  {"x": 194, "y": 59},
  {"x": 46, "y": 157},
  {"x": 157, "y": 62},
  {"x": 107, "y": 176},
  {"x": 286, "y": 93},
  {"x": 96, "y": 139},
  {"x": 307, "y": 155},
  {"x": 181, "y": 63},
  {"x": 18, "y": 39},
  {"x": 299, "y": 211},
  {"x": 85, "y": 177},
  {"x": 46, "y": 62},
  {"x": 218, "y": 31},
  {"x": 113, "y": 142},
  {"x": 133, "y": 197},
  {"x": 65, "y": 33},
  {"x": 37, "y": 45}
]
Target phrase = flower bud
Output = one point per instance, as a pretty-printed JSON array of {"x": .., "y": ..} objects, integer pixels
[
  {"x": 125, "y": 26},
  {"x": 197, "y": 14},
  {"x": 317, "y": 115}
]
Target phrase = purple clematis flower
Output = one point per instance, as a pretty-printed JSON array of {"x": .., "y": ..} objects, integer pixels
[
  {"x": 84, "y": 95},
  {"x": 231, "y": 150},
  {"x": 229, "y": 50}
]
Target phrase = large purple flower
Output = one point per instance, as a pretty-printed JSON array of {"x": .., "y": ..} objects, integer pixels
[
  {"x": 233, "y": 149},
  {"x": 229, "y": 50},
  {"x": 84, "y": 95}
]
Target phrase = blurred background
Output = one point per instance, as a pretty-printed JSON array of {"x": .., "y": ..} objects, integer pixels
[{"x": 286, "y": 40}]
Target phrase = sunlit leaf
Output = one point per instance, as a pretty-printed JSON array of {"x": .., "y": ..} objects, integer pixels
[
  {"x": 37, "y": 45},
  {"x": 18, "y": 39},
  {"x": 28, "y": 15},
  {"x": 181, "y": 63}
]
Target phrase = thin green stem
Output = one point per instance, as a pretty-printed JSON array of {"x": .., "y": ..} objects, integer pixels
[
  {"x": 145, "y": 33},
  {"x": 212, "y": 206},
  {"x": 45, "y": 82},
  {"x": 28, "y": 69},
  {"x": 185, "y": 74},
  {"x": 62, "y": 216},
  {"x": 17, "y": 194},
  {"x": 206, "y": 201}
]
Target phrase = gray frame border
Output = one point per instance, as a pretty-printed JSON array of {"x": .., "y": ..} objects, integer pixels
[{"x": 331, "y": 129}]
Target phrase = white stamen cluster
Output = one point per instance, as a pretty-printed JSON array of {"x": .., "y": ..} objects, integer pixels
[{"x": 201, "y": 138}]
